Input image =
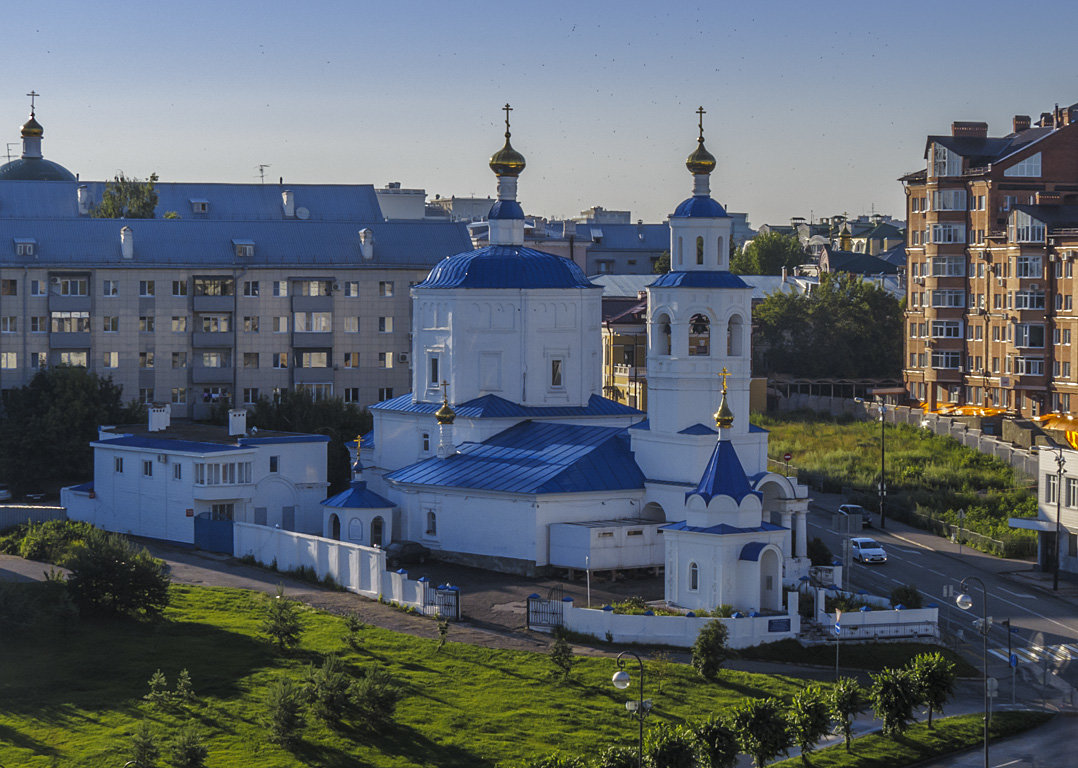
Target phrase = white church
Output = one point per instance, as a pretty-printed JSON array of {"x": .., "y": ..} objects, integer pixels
[{"x": 505, "y": 455}]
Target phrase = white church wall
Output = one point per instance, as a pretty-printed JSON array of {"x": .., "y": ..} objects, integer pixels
[
  {"x": 566, "y": 508},
  {"x": 722, "y": 579},
  {"x": 672, "y": 457},
  {"x": 598, "y": 546}
]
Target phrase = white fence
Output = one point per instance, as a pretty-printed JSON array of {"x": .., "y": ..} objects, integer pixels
[
  {"x": 679, "y": 631},
  {"x": 16, "y": 514},
  {"x": 357, "y": 568}
]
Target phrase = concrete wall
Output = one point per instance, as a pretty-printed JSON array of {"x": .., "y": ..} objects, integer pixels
[{"x": 680, "y": 631}]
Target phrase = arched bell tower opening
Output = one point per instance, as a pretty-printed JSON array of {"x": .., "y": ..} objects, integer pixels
[
  {"x": 735, "y": 336},
  {"x": 699, "y": 336}
]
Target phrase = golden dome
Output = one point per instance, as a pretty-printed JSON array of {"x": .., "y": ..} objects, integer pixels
[
  {"x": 445, "y": 414},
  {"x": 700, "y": 161},
  {"x": 724, "y": 417},
  {"x": 507, "y": 161},
  {"x": 32, "y": 128}
]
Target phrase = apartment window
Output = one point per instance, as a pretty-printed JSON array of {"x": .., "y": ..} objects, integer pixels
[
  {"x": 433, "y": 379},
  {"x": 179, "y": 359},
  {"x": 145, "y": 359},
  {"x": 314, "y": 287},
  {"x": 39, "y": 288},
  {"x": 351, "y": 289},
  {"x": 280, "y": 359},
  {"x": 280, "y": 324},
  {"x": 274, "y": 463},
  {"x": 177, "y": 468},
  {"x": 216, "y": 323},
  {"x": 1029, "y": 300},
  {"x": 313, "y": 322},
  {"x": 9, "y": 324},
  {"x": 385, "y": 393},
  {"x": 280, "y": 287},
  {"x": 1031, "y": 166},
  {"x": 250, "y": 288},
  {"x": 179, "y": 397},
  {"x": 146, "y": 324},
  {"x": 385, "y": 325},
  {"x": 1026, "y": 229},
  {"x": 319, "y": 391},
  {"x": 1029, "y": 335},
  {"x": 351, "y": 394},
  {"x": 118, "y": 464},
  {"x": 250, "y": 324},
  {"x": 351, "y": 359},
  {"x": 1071, "y": 499},
  {"x": 944, "y": 162},
  {"x": 351, "y": 325},
  {"x": 1029, "y": 366},
  {"x": 179, "y": 324},
  {"x": 312, "y": 359},
  {"x": 39, "y": 324},
  {"x": 25, "y": 248},
  {"x": 110, "y": 360},
  {"x": 215, "y": 394},
  {"x": 385, "y": 288},
  {"x": 146, "y": 288},
  {"x": 214, "y": 286},
  {"x": 250, "y": 395},
  {"x": 947, "y": 266},
  {"x": 385, "y": 359},
  {"x": 946, "y": 232},
  {"x": 108, "y": 288},
  {"x": 1028, "y": 266},
  {"x": 244, "y": 250},
  {"x": 948, "y": 298},
  {"x": 9, "y": 288},
  {"x": 70, "y": 322},
  {"x": 556, "y": 373},
  {"x": 9, "y": 360},
  {"x": 949, "y": 200},
  {"x": 952, "y": 360},
  {"x": 946, "y": 329},
  {"x": 250, "y": 359},
  {"x": 74, "y": 358},
  {"x": 179, "y": 287},
  {"x": 214, "y": 360},
  {"x": 146, "y": 395}
]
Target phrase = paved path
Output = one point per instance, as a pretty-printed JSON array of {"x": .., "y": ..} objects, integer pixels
[{"x": 1052, "y": 745}]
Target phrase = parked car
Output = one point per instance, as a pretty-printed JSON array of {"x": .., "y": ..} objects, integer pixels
[
  {"x": 867, "y": 551},
  {"x": 400, "y": 553},
  {"x": 36, "y": 495},
  {"x": 853, "y": 510},
  {"x": 5, "y": 492}
]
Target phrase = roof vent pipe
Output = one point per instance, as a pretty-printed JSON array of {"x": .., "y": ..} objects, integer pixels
[
  {"x": 127, "y": 243},
  {"x": 160, "y": 416},
  {"x": 288, "y": 202},
  {"x": 83, "y": 193}
]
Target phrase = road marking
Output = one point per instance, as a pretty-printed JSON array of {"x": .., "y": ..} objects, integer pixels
[
  {"x": 1016, "y": 594},
  {"x": 917, "y": 544},
  {"x": 938, "y": 573},
  {"x": 905, "y": 550},
  {"x": 891, "y": 578}
]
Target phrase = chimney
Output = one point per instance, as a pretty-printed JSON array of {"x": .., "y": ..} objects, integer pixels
[
  {"x": 568, "y": 228},
  {"x": 160, "y": 417},
  {"x": 366, "y": 243},
  {"x": 1021, "y": 123},
  {"x": 1048, "y": 198},
  {"x": 127, "y": 243},
  {"x": 1046, "y": 120},
  {"x": 288, "y": 202},
  {"x": 84, "y": 199},
  {"x": 237, "y": 422},
  {"x": 969, "y": 130}
]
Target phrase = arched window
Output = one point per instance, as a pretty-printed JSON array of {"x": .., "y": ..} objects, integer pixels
[
  {"x": 355, "y": 530},
  {"x": 734, "y": 335},
  {"x": 680, "y": 256},
  {"x": 376, "y": 532},
  {"x": 699, "y": 250},
  {"x": 718, "y": 251},
  {"x": 426, "y": 442},
  {"x": 334, "y": 527},
  {"x": 432, "y": 523},
  {"x": 699, "y": 336},
  {"x": 694, "y": 577},
  {"x": 662, "y": 331}
]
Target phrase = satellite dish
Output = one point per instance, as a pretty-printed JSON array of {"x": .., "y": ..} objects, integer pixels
[{"x": 303, "y": 214}]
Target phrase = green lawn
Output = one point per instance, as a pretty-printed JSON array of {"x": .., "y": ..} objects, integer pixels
[
  {"x": 948, "y": 735},
  {"x": 74, "y": 700},
  {"x": 854, "y": 656}
]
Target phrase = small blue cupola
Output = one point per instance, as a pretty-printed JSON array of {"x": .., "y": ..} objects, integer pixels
[{"x": 724, "y": 475}]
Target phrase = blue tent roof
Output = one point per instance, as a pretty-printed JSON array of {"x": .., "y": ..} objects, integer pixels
[
  {"x": 700, "y": 206},
  {"x": 700, "y": 279},
  {"x": 358, "y": 497},
  {"x": 494, "y": 407},
  {"x": 506, "y": 266},
  {"x": 723, "y": 476},
  {"x": 535, "y": 458},
  {"x": 697, "y": 429}
]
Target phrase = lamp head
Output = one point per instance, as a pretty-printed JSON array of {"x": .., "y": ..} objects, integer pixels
[
  {"x": 620, "y": 680},
  {"x": 964, "y": 601}
]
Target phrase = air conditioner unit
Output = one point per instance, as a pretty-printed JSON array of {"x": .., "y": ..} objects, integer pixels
[
  {"x": 336, "y": 285},
  {"x": 162, "y": 458},
  {"x": 999, "y": 281},
  {"x": 402, "y": 357},
  {"x": 55, "y": 281}
]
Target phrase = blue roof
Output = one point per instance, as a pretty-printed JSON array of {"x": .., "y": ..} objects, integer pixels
[
  {"x": 308, "y": 438},
  {"x": 166, "y": 445},
  {"x": 82, "y": 487},
  {"x": 700, "y": 206},
  {"x": 535, "y": 458},
  {"x": 358, "y": 497},
  {"x": 494, "y": 407},
  {"x": 506, "y": 209},
  {"x": 722, "y": 529},
  {"x": 752, "y": 550},
  {"x": 698, "y": 429},
  {"x": 645, "y": 424},
  {"x": 367, "y": 440},
  {"x": 723, "y": 476},
  {"x": 506, "y": 266},
  {"x": 700, "y": 279}
]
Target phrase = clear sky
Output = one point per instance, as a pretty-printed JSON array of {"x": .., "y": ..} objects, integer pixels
[{"x": 813, "y": 108}]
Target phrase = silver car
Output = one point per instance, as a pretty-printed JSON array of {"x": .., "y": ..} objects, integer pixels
[{"x": 867, "y": 551}]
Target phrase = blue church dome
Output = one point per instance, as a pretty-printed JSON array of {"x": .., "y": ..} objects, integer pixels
[
  {"x": 506, "y": 209},
  {"x": 506, "y": 266},
  {"x": 700, "y": 206}
]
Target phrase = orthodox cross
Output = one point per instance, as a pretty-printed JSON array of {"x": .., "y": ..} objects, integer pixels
[
  {"x": 33, "y": 95},
  {"x": 507, "y": 109},
  {"x": 445, "y": 384},
  {"x": 724, "y": 374},
  {"x": 701, "y": 112}
]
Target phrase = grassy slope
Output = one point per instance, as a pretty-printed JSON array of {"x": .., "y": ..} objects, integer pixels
[
  {"x": 74, "y": 700},
  {"x": 865, "y": 656}
]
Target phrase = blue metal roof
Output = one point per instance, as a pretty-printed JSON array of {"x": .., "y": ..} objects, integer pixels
[
  {"x": 752, "y": 550},
  {"x": 698, "y": 429},
  {"x": 506, "y": 266},
  {"x": 700, "y": 279},
  {"x": 645, "y": 424},
  {"x": 700, "y": 206},
  {"x": 367, "y": 440},
  {"x": 494, "y": 407},
  {"x": 166, "y": 445},
  {"x": 307, "y": 438},
  {"x": 723, "y": 476},
  {"x": 722, "y": 529},
  {"x": 358, "y": 496},
  {"x": 506, "y": 209},
  {"x": 535, "y": 458}
]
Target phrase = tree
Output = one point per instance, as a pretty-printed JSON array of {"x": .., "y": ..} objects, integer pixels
[
  {"x": 670, "y": 746},
  {"x": 809, "y": 718},
  {"x": 188, "y": 751},
  {"x": 709, "y": 650},
  {"x": 844, "y": 328},
  {"x": 847, "y": 700},
  {"x": 894, "y": 695},
  {"x": 143, "y": 747},
  {"x": 767, "y": 254},
  {"x": 284, "y": 715},
  {"x": 376, "y": 695},
  {"x": 662, "y": 264},
  {"x": 617, "y": 757},
  {"x": 561, "y": 656},
  {"x": 329, "y": 691},
  {"x": 184, "y": 691},
  {"x": 760, "y": 729},
  {"x": 127, "y": 198},
  {"x": 818, "y": 552},
  {"x": 47, "y": 425},
  {"x": 296, "y": 410},
  {"x": 906, "y": 595},
  {"x": 112, "y": 576},
  {"x": 934, "y": 680},
  {"x": 282, "y": 622},
  {"x": 717, "y": 743},
  {"x": 158, "y": 692}
]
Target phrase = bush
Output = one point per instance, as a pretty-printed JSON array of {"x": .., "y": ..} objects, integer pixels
[
  {"x": 670, "y": 746},
  {"x": 112, "y": 576},
  {"x": 709, "y": 651},
  {"x": 616, "y": 757},
  {"x": 894, "y": 695},
  {"x": 143, "y": 749},
  {"x": 760, "y": 729},
  {"x": 818, "y": 552},
  {"x": 934, "y": 678},
  {"x": 846, "y": 700},
  {"x": 284, "y": 717},
  {"x": 906, "y": 595},
  {"x": 717, "y": 744},
  {"x": 35, "y": 607},
  {"x": 51, "y": 541},
  {"x": 329, "y": 691},
  {"x": 376, "y": 695},
  {"x": 184, "y": 691},
  {"x": 282, "y": 622},
  {"x": 561, "y": 656},
  {"x": 158, "y": 684},
  {"x": 809, "y": 718},
  {"x": 353, "y": 625},
  {"x": 188, "y": 751}
]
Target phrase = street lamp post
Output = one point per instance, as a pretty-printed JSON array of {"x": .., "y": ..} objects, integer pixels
[
  {"x": 883, "y": 476},
  {"x": 639, "y": 708},
  {"x": 965, "y": 602},
  {"x": 1061, "y": 463}
]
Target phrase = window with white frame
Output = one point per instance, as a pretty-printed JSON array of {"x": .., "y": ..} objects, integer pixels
[
  {"x": 251, "y": 288},
  {"x": 313, "y": 322},
  {"x": 385, "y": 288},
  {"x": 147, "y": 288},
  {"x": 1029, "y": 335},
  {"x": 280, "y": 287},
  {"x": 110, "y": 359},
  {"x": 946, "y": 232},
  {"x": 948, "y": 298},
  {"x": 351, "y": 289},
  {"x": 351, "y": 325},
  {"x": 944, "y": 162},
  {"x": 9, "y": 360},
  {"x": 108, "y": 288},
  {"x": 1071, "y": 499},
  {"x": 179, "y": 395},
  {"x": 946, "y": 329},
  {"x": 949, "y": 200},
  {"x": 1031, "y": 166},
  {"x": 250, "y": 324},
  {"x": 1029, "y": 366},
  {"x": 1026, "y": 229},
  {"x": 949, "y": 360},
  {"x": 118, "y": 464},
  {"x": 1029, "y": 300},
  {"x": 385, "y": 325},
  {"x": 948, "y": 266},
  {"x": 1028, "y": 266}
]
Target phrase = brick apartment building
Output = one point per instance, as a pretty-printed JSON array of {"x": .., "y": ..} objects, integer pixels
[{"x": 992, "y": 241}]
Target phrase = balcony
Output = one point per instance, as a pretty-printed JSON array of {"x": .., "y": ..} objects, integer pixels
[
  {"x": 203, "y": 375},
  {"x": 59, "y": 303},
  {"x": 73, "y": 340},
  {"x": 213, "y": 339},
  {"x": 312, "y": 375},
  {"x": 312, "y": 303},
  {"x": 213, "y": 303},
  {"x": 630, "y": 371},
  {"x": 312, "y": 339},
  {"x": 222, "y": 492}
]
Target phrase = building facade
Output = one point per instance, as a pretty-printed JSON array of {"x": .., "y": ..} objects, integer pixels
[{"x": 986, "y": 314}]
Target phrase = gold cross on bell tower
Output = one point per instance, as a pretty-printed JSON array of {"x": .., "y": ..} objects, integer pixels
[
  {"x": 507, "y": 110},
  {"x": 33, "y": 95},
  {"x": 723, "y": 374},
  {"x": 701, "y": 112}
]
